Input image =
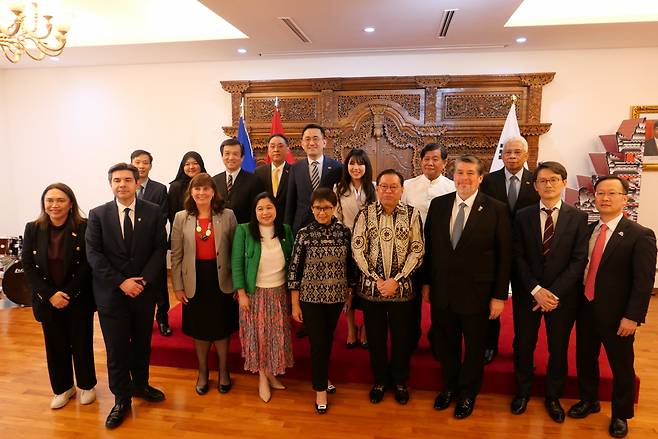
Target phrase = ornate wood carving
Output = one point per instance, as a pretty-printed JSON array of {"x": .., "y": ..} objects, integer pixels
[{"x": 392, "y": 118}]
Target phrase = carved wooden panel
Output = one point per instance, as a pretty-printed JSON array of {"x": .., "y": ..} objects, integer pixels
[{"x": 392, "y": 118}]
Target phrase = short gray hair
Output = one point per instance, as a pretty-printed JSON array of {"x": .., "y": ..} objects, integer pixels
[{"x": 519, "y": 139}]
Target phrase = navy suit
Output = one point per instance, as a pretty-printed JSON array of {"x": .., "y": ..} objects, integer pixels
[
  {"x": 156, "y": 193},
  {"x": 560, "y": 272},
  {"x": 298, "y": 202},
  {"x": 126, "y": 322},
  {"x": 622, "y": 288}
]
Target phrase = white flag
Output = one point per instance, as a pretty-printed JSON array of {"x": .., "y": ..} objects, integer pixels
[{"x": 510, "y": 129}]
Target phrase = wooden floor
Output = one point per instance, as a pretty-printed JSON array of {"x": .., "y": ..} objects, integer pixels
[{"x": 25, "y": 396}]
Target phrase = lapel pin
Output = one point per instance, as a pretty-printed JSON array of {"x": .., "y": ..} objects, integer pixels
[
  {"x": 77, "y": 249},
  {"x": 480, "y": 209},
  {"x": 139, "y": 219},
  {"x": 621, "y": 234},
  {"x": 74, "y": 234}
]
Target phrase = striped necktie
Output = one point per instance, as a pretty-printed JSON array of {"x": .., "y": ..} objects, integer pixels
[
  {"x": 549, "y": 231},
  {"x": 229, "y": 183},
  {"x": 315, "y": 174}
]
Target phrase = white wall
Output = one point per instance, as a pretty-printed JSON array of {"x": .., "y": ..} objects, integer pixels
[{"x": 71, "y": 124}]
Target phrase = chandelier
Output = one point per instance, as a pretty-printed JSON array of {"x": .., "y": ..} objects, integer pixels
[{"x": 36, "y": 39}]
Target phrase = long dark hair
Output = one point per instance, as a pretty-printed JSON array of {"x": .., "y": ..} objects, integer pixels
[
  {"x": 343, "y": 187},
  {"x": 181, "y": 175},
  {"x": 279, "y": 230},
  {"x": 199, "y": 180},
  {"x": 75, "y": 215}
]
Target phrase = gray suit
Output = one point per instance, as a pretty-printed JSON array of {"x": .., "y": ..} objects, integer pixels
[{"x": 183, "y": 251}]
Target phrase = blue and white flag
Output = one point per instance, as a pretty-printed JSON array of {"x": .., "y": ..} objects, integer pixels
[{"x": 249, "y": 163}]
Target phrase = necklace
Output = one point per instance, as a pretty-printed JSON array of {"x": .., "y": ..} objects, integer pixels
[{"x": 206, "y": 235}]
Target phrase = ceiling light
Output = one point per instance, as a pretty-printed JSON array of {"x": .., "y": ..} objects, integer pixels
[
  {"x": 369, "y": 29},
  {"x": 521, "y": 40},
  {"x": 241, "y": 50}
]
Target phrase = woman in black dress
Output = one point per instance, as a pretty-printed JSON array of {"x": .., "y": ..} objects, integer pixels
[
  {"x": 56, "y": 268},
  {"x": 201, "y": 240},
  {"x": 190, "y": 165}
]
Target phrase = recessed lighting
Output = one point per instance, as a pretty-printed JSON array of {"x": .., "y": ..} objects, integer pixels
[
  {"x": 521, "y": 40},
  {"x": 369, "y": 29},
  {"x": 241, "y": 50}
]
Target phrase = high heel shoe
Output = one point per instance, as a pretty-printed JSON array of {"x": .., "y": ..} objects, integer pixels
[
  {"x": 275, "y": 383},
  {"x": 224, "y": 388},
  {"x": 264, "y": 391},
  {"x": 321, "y": 408},
  {"x": 201, "y": 390}
]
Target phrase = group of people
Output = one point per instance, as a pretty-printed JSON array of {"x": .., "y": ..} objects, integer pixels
[{"x": 308, "y": 240}]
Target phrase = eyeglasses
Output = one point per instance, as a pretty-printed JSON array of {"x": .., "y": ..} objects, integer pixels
[
  {"x": 544, "y": 181},
  {"x": 319, "y": 209},
  {"x": 392, "y": 187},
  {"x": 608, "y": 194}
]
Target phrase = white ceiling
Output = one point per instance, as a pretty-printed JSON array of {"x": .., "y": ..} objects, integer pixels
[{"x": 335, "y": 27}]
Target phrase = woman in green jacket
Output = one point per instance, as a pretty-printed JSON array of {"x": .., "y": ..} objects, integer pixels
[{"x": 259, "y": 261}]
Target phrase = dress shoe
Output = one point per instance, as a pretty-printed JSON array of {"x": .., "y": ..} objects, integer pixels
[
  {"x": 464, "y": 408},
  {"x": 117, "y": 415},
  {"x": 489, "y": 355},
  {"x": 164, "y": 329},
  {"x": 519, "y": 404},
  {"x": 555, "y": 410},
  {"x": 62, "y": 399},
  {"x": 352, "y": 344},
  {"x": 401, "y": 394},
  {"x": 87, "y": 396},
  {"x": 364, "y": 344},
  {"x": 225, "y": 388},
  {"x": 377, "y": 393},
  {"x": 148, "y": 393},
  {"x": 321, "y": 408},
  {"x": 583, "y": 408},
  {"x": 618, "y": 427},
  {"x": 443, "y": 400},
  {"x": 331, "y": 389}
]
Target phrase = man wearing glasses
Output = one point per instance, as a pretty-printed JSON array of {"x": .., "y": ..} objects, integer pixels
[
  {"x": 511, "y": 185},
  {"x": 387, "y": 245},
  {"x": 617, "y": 286},
  {"x": 550, "y": 254}
]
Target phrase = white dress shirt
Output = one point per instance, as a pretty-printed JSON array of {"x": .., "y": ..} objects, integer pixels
[
  {"x": 131, "y": 214},
  {"x": 467, "y": 210},
  {"x": 420, "y": 191}
]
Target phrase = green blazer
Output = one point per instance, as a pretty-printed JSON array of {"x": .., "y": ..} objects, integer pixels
[{"x": 245, "y": 256}]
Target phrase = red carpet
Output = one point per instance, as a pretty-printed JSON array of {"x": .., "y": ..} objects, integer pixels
[{"x": 353, "y": 366}]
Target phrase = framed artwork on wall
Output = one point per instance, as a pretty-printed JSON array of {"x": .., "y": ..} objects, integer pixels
[{"x": 650, "y": 112}]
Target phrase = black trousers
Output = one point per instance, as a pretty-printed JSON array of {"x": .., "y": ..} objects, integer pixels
[
  {"x": 559, "y": 323},
  {"x": 69, "y": 335},
  {"x": 161, "y": 315},
  {"x": 448, "y": 327},
  {"x": 417, "y": 316},
  {"x": 493, "y": 334},
  {"x": 320, "y": 320},
  {"x": 127, "y": 333},
  {"x": 379, "y": 317},
  {"x": 589, "y": 336}
]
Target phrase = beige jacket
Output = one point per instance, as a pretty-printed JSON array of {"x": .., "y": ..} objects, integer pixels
[{"x": 183, "y": 251}]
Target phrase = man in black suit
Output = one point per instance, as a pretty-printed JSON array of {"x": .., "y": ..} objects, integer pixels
[
  {"x": 307, "y": 175},
  {"x": 155, "y": 192},
  {"x": 468, "y": 257},
  {"x": 618, "y": 282},
  {"x": 237, "y": 187},
  {"x": 550, "y": 254},
  {"x": 274, "y": 176},
  {"x": 126, "y": 247},
  {"x": 651, "y": 145},
  {"x": 513, "y": 186}
]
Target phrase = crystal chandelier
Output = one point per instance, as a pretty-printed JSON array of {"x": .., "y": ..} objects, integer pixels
[{"x": 36, "y": 38}]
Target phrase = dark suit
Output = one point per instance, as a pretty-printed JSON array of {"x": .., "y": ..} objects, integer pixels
[
  {"x": 622, "y": 288},
  {"x": 298, "y": 202},
  {"x": 560, "y": 272},
  {"x": 494, "y": 185},
  {"x": 245, "y": 188},
  {"x": 650, "y": 147},
  {"x": 156, "y": 193},
  {"x": 462, "y": 283},
  {"x": 126, "y": 322},
  {"x": 69, "y": 331},
  {"x": 264, "y": 173}
]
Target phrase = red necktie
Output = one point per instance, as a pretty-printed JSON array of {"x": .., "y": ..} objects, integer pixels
[{"x": 594, "y": 262}]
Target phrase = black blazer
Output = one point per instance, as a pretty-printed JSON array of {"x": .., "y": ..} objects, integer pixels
[
  {"x": 111, "y": 262},
  {"x": 264, "y": 173},
  {"x": 466, "y": 278},
  {"x": 493, "y": 184},
  {"x": 245, "y": 188},
  {"x": 77, "y": 283},
  {"x": 175, "y": 198},
  {"x": 626, "y": 274},
  {"x": 298, "y": 202},
  {"x": 562, "y": 271},
  {"x": 156, "y": 192}
]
